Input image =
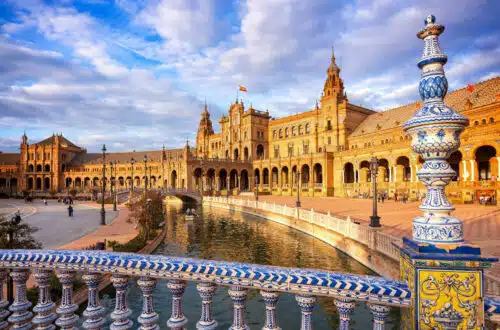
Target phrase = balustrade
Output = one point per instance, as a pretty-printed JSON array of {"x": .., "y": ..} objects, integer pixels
[{"x": 238, "y": 278}]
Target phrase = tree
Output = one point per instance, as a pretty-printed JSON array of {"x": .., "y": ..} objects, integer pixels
[
  {"x": 21, "y": 234},
  {"x": 147, "y": 213}
]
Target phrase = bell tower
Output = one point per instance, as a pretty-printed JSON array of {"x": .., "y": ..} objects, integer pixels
[
  {"x": 333, "y": 108},
  {"x": 205, "y": 129}
]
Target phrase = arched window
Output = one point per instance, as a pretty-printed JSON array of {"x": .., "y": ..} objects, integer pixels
[
  {"x": 275, "y": 135},
  {"x": 308, "y": 128},
  {"x": 492, "y": 120},
  {"x": 294, "y": 131},
  {"x": 286, "y": 132},
  {"x": 476, "y": 123},
  {"x": 300, "y": 130},
  {"x": 281, "y": 133}
]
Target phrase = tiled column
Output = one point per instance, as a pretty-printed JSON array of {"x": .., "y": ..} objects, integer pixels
[
  {"x": 94, "y": 311},
  {"x": 380, "y": 315},
  {"x": 3, "y": 302},
  {"x": 270, "y": 300},
  {"x": 45, "y": 306},
  {"x": 121, "y": 314},
  {"x": 306, "y": 305},
  {"x": 345, "y": 307},
  {"x": 177, "y": 320},
  {"x": 66, "y": 311},
  {"x": 238, "y": 295},
  {"x": 148, "y": 317},
  {"x": 20, "y": 317},
  {"x": 206, "y": 291}
]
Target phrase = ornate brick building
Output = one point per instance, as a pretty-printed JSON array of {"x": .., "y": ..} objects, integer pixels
[{"x": 329, "y": 146}]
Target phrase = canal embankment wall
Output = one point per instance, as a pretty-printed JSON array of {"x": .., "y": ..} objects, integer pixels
[{"x": 365, "y": 245}]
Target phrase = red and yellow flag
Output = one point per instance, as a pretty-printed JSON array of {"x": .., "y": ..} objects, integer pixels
[
  {"x": 243, "y": 89},
  {"x": 470, "y": 88}
]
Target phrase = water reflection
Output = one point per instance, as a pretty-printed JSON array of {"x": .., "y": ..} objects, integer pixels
[{"x": 232, "y": 236}]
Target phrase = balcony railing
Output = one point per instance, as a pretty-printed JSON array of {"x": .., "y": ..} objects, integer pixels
[{"x": 347, "y": 290}]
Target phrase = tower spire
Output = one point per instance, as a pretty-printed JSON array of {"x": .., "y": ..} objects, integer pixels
[{"x": 435, "y": 130}]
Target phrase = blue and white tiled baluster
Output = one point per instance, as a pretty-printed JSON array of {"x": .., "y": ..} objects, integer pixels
[
  {"x": 21, "y": 316},
  {"x": 94, "y": 311},
  {"x": 345, "y": 307},
  {"x": 206, "y": 291},
  {"x": 270, "y": 300},
  {"x": 435, "y": 131},
  {"x": 306, "y": 304},
  {"x": 3, "y": 301},
  {"x": 66, "y": 311},
  {"x": 380, "y": 315},
  {"x": 148, "y": 317},
  {"x": 44, "y": 308},
  {"x": 238, "y": 295},
  {"x": 121, "y": 314},
  {"x": 177, "y": 320}
]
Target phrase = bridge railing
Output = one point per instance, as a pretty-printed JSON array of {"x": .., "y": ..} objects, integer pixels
[
  {"x": 374, "y": 239},
  {"x": 210, "y": 276}
]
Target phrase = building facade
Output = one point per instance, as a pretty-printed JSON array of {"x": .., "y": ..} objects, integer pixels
[{"x": 325, "y": 149}]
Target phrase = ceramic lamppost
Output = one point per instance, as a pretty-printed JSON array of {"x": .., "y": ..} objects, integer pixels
[{"x": 444, "y": 272}]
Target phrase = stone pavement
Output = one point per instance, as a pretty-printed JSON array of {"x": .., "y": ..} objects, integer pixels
[
  {"x": 481, "y": 223},
  {"x": 120, "y": 230}
]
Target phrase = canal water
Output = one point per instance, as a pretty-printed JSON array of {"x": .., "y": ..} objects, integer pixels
[{"x": 233, "y": 236}]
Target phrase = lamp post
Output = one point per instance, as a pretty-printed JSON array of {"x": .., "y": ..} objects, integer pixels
[
  {"x": 103, "y": 212},
  {"x": 297, "y": 179},
  {"x": 150, "y": 176},
  {"x": 145, "y": 175},
  {"x": 201, "y": 179},
  {"x": 374, "y": 219},
  {"x": 227, "y": 187},
  {"x": 114, "y": 182},
  {"x": 132, "y": 161},
  {"x": 256, "y": 188}
]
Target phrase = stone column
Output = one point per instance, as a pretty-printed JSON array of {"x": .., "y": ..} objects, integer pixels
[
  {"x": 380, "y": 315},
  {"x": 306, "y": 305},
  {"x": 3, "y": 301},
  {"x": 94, "y": 312},
  {"x": 473, "y": 170},
  {"x": 21, "y": 316},
  {"x": 148, "y": 317},
  {"x": 206, "y": 291},
  {"x": 238, "y": 295},
  {"x": 270, "y": 300},
  {"x": 177, "y": 319},
  {"x": 121, "y": 314},
  {"x": 345, "y": 307},
  {"x": 45, "y": 306},
  {"x": 66, "y": 311}
]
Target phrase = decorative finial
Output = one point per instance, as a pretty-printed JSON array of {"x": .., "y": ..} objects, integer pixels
[
  {"x": 435, "y": 130},
  {"x": 317, "y": 106}
]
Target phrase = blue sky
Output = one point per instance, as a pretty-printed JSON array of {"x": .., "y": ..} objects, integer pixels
[{"x": 135, "y": 74}]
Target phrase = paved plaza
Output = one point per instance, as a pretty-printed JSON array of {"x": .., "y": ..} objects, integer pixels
[
  {"x": 56, "y": 228},
  {"x": 481, "y": 223}
]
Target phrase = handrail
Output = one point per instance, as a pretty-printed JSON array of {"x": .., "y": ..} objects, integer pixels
[{"x": 295, "y": 280}]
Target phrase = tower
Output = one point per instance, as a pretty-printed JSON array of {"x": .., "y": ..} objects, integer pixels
[
  {"x": 23, "y": 161},
  {"x": 205, "y": 129},
  {"x": 333, "y": 108}
]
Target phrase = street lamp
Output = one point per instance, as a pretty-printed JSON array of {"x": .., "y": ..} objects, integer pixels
[
  {"x": 227, "y": 187},
  {"x": 150, "y": 176},
  {"x": 114, "y": 182},
  {"x": 132, "y": 161},
  {"x": 374, "y": 219},
  {"x": 103, "y": 212},
  {"x": 145, "y": 175},
  {"x": 297, "y": 179},
  {"x": 256, "y": 188}
]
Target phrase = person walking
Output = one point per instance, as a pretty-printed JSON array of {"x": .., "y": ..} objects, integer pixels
[
  {"x": 70, "y": 211},
  {"x": 395, "y": 196},
  {"x": 45, "y": 202}
]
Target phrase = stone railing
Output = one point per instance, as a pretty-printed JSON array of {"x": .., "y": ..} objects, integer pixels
[
  {"x": 347, "y": 290},
  {"x": 374, "y": 239}
]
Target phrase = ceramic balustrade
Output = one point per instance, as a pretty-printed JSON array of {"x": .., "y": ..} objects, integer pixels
[{"x": 210, "y": 276}]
